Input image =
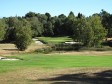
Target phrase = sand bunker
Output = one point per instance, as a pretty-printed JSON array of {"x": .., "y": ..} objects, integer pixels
[{"x": 4, "y": 58}]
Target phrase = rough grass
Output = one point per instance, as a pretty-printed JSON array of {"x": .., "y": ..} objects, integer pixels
[{"x": 55, "y": 40}]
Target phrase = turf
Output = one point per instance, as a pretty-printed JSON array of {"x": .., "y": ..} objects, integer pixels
[
  {"x": 55, "y": 61},
  {"x": 55, "y": 40}
]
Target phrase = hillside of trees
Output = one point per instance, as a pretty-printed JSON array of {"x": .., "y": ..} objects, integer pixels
[{"x": 88, "y": 30}]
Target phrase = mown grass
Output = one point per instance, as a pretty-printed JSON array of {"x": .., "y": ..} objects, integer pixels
[
  {"x": 55, "y": 40},
  {"x": 55, "y": 61}
]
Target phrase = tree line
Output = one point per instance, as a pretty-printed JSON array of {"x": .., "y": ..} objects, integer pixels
[{"x": 88, "y": 30}]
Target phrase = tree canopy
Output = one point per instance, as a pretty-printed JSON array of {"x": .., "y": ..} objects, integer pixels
[{"x": 88, "y": 30}]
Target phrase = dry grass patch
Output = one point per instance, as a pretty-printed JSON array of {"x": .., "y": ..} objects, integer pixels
[
  {"x": 57, "y": 76},
  {"x": 84, "y": 53},
  {"x": 10, "y": 49}
]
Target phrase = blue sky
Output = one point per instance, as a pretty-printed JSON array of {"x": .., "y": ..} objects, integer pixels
[{"x": 54, "y": 7}]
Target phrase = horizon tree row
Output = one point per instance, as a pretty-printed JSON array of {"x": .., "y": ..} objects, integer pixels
[{"x": 88, "y": 30}]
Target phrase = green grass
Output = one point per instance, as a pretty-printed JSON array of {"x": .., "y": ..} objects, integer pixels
[
  {"x": 55, "y": 40},
  {"x": 55, "y": 61}
]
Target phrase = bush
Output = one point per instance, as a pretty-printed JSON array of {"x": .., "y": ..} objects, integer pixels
[
  {"x": 23, "y": 37},
  {"x": 22, "y": 42},
  {"x": 44, "y": 50},
  {"x": 107, "y": 43},
  {"x": 67, "y": 47}
]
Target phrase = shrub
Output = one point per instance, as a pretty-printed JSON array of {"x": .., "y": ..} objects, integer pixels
[
  {"x": 23, "y": 37},
  {"x": 66, "y": 47},
  {"x": 44, "y": 50},
  {"x": 107, "y": 43}
]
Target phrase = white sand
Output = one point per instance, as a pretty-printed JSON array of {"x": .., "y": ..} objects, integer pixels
[
  {"x": 37, "y": 41},
  {"x": 3, "y": 58}
]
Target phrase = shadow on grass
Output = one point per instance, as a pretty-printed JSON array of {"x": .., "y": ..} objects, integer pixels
[{"x": 104, "y": 77}]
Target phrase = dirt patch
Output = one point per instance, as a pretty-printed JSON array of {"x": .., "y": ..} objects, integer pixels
[{"x": 58, "y": 76}]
